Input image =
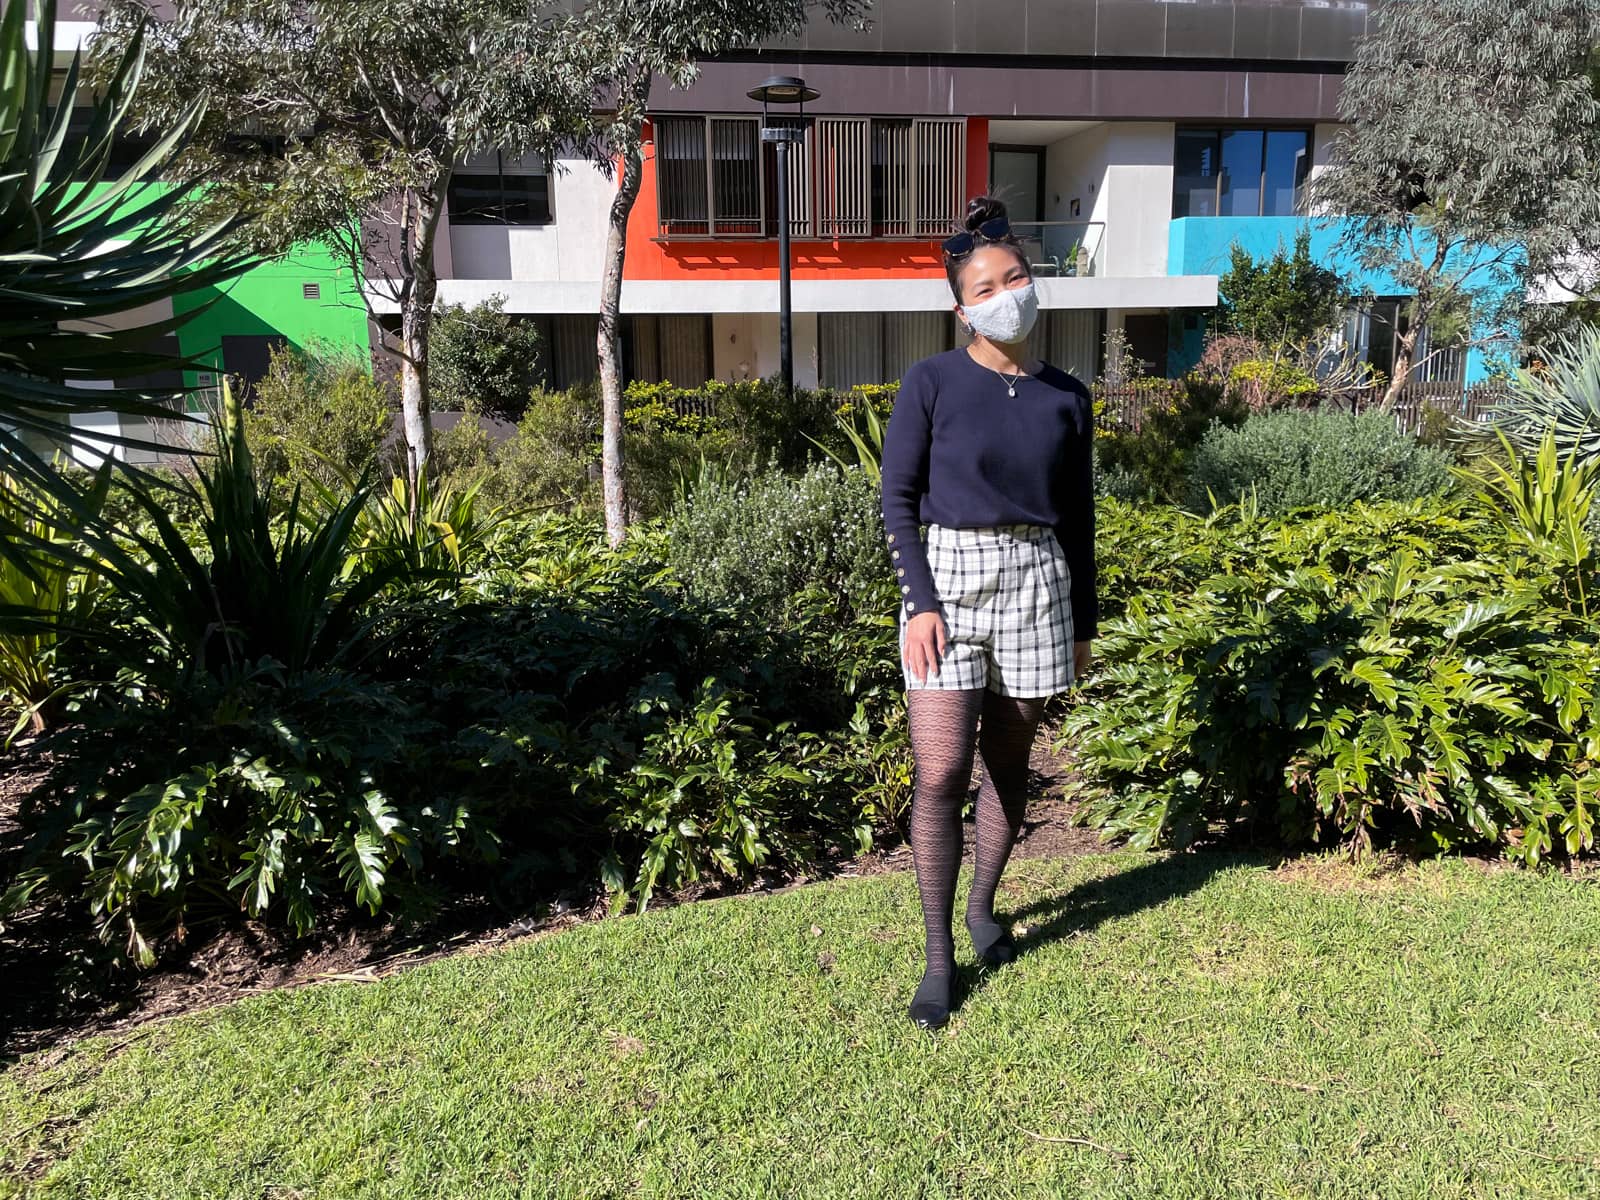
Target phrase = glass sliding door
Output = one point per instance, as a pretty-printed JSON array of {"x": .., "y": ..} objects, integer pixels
[
  {"x": 1288, "y": 162},
  {"x": 1015, "y": 173},
  {"x": 1195, "y": 163},
  {"x": 1241, "y": 173}
]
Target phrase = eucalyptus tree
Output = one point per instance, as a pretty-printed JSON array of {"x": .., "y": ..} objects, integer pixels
[
  {"x": 1470, "y": 167},
  {"x": 342, "y": 122},
  {"x": 653, "y": 43}
]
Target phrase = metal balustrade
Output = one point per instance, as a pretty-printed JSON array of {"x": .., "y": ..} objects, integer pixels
[{"x": 1063, "y": 248}]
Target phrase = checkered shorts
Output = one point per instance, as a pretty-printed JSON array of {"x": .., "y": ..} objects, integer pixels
[{"x": 1005, "y": 597}]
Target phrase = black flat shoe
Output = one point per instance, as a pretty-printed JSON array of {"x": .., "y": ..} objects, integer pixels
[
  {"x": 928, "y": 1015},
  {"x": 930, "y": 1007},
  {"x": 994, "y": 948}
]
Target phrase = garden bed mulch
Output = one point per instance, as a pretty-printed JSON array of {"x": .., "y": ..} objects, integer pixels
[{"x": 58, "y": 988}]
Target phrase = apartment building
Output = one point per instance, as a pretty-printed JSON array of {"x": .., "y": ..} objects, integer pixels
[{"x": 1136, "y": 141}]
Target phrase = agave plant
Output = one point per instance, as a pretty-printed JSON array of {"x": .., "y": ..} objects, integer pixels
[
  {"x": 426, "y": 530},
  {"x": 262, "y": 584},
  {"x": 1560, "y": 397},
  {"x": 78, "y": 250}
]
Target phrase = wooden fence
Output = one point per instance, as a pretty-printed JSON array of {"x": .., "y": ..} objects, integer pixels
[{"x": 1127, "y": 406}]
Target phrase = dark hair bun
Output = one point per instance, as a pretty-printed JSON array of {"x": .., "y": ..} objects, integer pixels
[{"x": 981, "y": 209}]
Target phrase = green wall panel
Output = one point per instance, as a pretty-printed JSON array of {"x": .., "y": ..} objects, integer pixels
[{"x": 271, "y": 301}]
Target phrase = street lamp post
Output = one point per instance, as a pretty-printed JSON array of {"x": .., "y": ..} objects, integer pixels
[{"x": 783, "y": 89}]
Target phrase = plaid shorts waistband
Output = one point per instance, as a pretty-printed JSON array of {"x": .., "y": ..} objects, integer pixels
[{"x": 989, "y": 534}]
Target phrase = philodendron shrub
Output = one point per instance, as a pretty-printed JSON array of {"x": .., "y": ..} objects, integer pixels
[
  {"x": 554, "y": 714},
  {"x": 1420, "y": 671}
]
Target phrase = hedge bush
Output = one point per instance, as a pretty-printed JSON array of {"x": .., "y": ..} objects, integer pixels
[
  {"x": 484, "y": 361},
  {"x": 317, "y": 414},
  {"x": 563, "y": 715},
  {"x": 1421, "y": 671},
  {"x": 1151, "y": 461},
  {"x": 1290, "y": 460},
  {"x": 758, "y": 544}
]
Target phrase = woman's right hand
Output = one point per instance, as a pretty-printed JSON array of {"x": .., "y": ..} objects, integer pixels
[{"x": 925, "y": 643}]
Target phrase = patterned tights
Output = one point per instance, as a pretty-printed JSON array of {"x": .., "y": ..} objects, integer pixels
[{"x": 946, "y": 726}]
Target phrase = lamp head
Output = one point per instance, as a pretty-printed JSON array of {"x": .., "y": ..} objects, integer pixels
[{"x": 783, "y": 89}]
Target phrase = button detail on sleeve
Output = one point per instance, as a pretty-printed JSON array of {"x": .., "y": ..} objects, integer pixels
[{"x": 910, "y": 607}]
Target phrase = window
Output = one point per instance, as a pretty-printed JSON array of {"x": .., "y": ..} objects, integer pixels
[
  {"x": 844, "y": 177},
  {"x": 722, "y": 198},
  {"x": 852, "y": 177},
  {"x": 671, "y": 349},
  {"x": 736, "y": 176},
  {"x": 877, "y": 347},
  {"x": 681, "y": 174},
  {"x": 494, "y": 189},
  {"x": 891, "y": 178},
  {"x": 918, "y": 177},
  {"x": 1239, "y": 172},
  {"x": 938, "y": 170}
]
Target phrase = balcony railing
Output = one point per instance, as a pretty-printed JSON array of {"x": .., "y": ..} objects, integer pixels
[{"x": 1063, "y": 248}]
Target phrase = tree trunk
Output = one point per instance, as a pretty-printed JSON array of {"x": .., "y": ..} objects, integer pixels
[
  {"x": 607, "y": 343},
  {"x": 416, "y": 316},
  {"x": 1405, "y": 348},
  {"x": 417, "y": 298}
]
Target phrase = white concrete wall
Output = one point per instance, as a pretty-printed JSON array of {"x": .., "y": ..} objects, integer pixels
[
  {"x": 1121, "y": 174},
  {"x": 1137, "y": 198},
  {"x": 737, "y": 297},
  {"x": 1075, "y": 169},
  {"x": 569, "y": 249},
  {"x": 1322, "y": 139}
]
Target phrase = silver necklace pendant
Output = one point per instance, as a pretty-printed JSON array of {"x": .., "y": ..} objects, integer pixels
[{"x": 1010, "y": 381}]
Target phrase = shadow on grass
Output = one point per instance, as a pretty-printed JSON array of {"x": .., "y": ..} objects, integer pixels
[{"x": 1086, "y": 906}]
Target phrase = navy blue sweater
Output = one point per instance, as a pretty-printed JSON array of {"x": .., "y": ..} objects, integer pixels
[{"x": 961, "y": 453}]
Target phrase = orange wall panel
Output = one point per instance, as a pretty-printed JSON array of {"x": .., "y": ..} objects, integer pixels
[{"x": 758, "y": 259}]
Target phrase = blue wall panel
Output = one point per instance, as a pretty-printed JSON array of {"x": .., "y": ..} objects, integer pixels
[{"x": 1203, "y": 246}]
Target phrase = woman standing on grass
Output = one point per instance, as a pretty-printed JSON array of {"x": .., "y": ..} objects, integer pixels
[{"x": 992, "y": 449}]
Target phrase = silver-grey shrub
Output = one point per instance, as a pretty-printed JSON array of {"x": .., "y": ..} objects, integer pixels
[
  {"x": 758, "y": 543},
  {"x": 1293, "y": 460}
]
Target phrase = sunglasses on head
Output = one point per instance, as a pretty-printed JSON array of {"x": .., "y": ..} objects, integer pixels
[{"x": 965, "y": 242}]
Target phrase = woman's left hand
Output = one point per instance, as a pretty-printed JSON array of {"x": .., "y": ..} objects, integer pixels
[{"x": 1082, "y": 658}]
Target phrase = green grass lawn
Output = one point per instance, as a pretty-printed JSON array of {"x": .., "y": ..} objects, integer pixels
[{"x": 1177, "y": 1027}]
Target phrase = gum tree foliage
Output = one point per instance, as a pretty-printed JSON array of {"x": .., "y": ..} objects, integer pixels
[
  {"x": 1471, "y": 165},
  {"x": 342, "y": 122},
  {"x": 653, "y": 42}
]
